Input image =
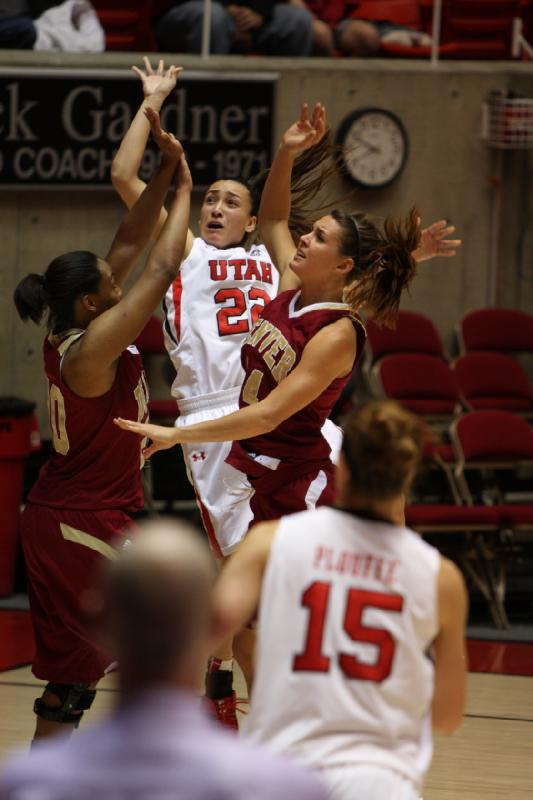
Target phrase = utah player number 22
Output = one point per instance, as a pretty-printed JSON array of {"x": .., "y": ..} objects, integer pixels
[
  {"x": 312, "y": 659},
  {"x": 234, "y": 302}
]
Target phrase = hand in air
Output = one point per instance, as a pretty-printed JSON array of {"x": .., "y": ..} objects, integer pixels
[
  {"x": 306, "y": 132},
  {"x": 160, "y": 81},
  {"x": 162, "y": 438},
  {"x": 434, "y": 242},
  {"x": 169, "y": 146}
]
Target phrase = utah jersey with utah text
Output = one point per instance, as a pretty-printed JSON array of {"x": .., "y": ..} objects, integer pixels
[
  {"x": 93, "y": 464},
  {"x": 348, "y": 611},
  {"x": 209, "y": 310}
]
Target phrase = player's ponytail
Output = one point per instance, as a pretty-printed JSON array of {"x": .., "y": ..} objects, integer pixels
[
  {"x": 30, "y": 297},
  {"x": 383, "y": 262},
  {"x": 67, "y": 277},
  {"x": 382, "y": 444}
]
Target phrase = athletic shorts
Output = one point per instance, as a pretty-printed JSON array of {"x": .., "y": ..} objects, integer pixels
[
  {"x": 306, "y": 492},
  {"x": 64, "y": 553},
  {"x": 222, "y": 492},
  {"x": 317, "y": 488},
  {"x": 367, "y": 782}
]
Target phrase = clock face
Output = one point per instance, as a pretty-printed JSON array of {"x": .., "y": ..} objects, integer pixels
[{"x": 374, "y": 147}]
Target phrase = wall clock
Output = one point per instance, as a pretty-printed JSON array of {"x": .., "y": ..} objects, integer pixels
[{"x": 374, "y": 147}]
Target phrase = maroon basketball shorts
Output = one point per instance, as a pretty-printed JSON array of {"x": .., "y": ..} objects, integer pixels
[
  {"x": 316, "y": 488},
  {"x": 65, "y": 552}
]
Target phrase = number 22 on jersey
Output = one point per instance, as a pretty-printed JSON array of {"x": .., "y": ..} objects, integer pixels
[
  {"x": 316, "y": 598},
  {"x": 235, "y": 317}
]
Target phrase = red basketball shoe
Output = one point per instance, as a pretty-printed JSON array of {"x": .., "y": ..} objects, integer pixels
[{"x": 224, "y": 710}]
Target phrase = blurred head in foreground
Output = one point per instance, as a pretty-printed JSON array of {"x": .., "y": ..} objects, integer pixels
[{"x": 157, "y": 606}]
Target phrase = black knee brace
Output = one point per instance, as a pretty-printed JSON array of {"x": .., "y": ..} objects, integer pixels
[{"x": 75, "y": 699}]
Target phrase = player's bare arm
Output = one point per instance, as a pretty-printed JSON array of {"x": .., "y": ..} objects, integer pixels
[
  {"x": 238, "y": 588},
  {"x": 450, "y": 650},
  {"x": 157, "y": 84},
  {"x": 91, "y": 364},
  {"x": 275, "y": 205},
  {"x": 330, "y": 354},
  {"x": 135, "y": 229}
]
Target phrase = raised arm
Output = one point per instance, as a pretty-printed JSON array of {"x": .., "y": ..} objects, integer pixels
[
  {"x": 137, "y": 225},
  {"x": 157, "y": 85},
  {"x": 274, "y": 211},
  {"x": 328, "y": 355},
  {"x": 449, "y": 650},
  {"x": 113, "y": 330}
]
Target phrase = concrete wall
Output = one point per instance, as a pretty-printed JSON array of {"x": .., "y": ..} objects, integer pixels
[{"x": 448, "y": 175}]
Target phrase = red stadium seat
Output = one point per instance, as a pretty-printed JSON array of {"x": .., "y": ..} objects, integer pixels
[
  {"x": 479, "y": 28},
  {"x": 127, "y": 25},
  {"x": 473, "y": 29},
  {"x": 399, "y": 12},
  {"x": 495, "y": 441},
  {"x": 422, "y": 383},
  {"x": 492, "y": 438},
  {"x": 493, "y": 381},
  {"x": 440, "y": 518},
  {"x": 483, "y": 536},
  {"x": 414, "y": 333},
  {"x": 497, "y": 329}
]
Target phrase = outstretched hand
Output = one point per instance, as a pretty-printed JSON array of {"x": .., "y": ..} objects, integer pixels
[
  {"x": 162, "y": 438},
  {"x": 169, "y": 146},
  {"x": 434, "y": 242},
  {"x": 160, "y": 81},
  {"x": 306, "y": 132}
]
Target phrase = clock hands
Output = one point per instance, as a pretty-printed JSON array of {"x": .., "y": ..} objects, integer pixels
[{"x": 372, "y": 147}]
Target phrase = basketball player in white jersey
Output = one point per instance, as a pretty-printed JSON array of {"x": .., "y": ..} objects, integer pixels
[
  {"x": 361, "y": 623},
  {"x": 209, "y": 309}
]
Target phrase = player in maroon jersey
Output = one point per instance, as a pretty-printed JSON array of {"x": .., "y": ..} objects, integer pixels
[
  {"x": 303, "y": 348},
  {"x": 91, "y": 484}
]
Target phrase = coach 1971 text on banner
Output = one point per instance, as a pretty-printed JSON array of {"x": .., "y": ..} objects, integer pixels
[{"x": 63, "y": 130}]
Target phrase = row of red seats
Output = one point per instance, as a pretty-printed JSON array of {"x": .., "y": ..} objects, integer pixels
[
  {"x": 479, "y": 29},
  {"x": 411, "y": 364},
  {"x": 483, "y": 530},
  {"x": 432, "y": 388},
  {"x": 502, "y": 330}
]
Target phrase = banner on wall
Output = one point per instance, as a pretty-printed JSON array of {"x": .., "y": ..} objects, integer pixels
[{"x": 62, "y": 128}]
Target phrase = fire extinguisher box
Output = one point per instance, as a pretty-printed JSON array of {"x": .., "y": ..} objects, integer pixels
[{"x": 19, "y": 436}]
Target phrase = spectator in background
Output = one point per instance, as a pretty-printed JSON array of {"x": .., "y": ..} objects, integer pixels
[
  {"x": 17, "y": 31},
  {"x": 156, "y": 603},
  {"x": 335, "y": 28},
  {"x": 70, "y": 26},
  {"x": 244, "y": 26}
]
